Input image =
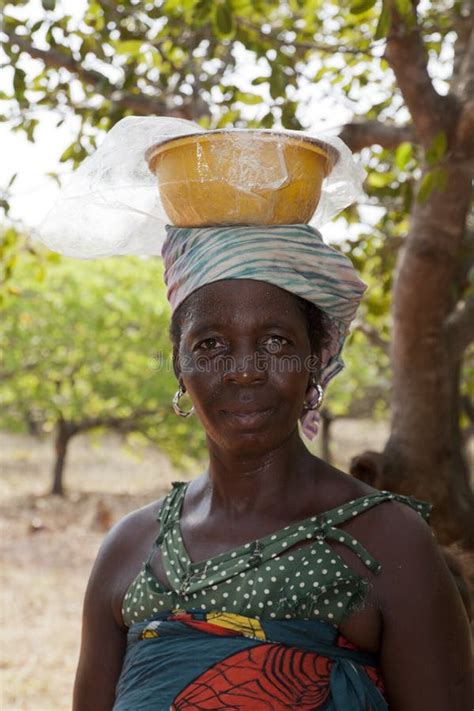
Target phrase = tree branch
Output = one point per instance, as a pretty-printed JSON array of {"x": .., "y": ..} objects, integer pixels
[
  {"x": 468, "y": 407},
  {"x": 462, "y": 82},
  {"x": 372, "y": 335},
  {"x": 367, "y": 133},
  {"x": 55, "y": 59},
  {"x": 465, "y": 129},
  {"x": 406, "y": 54},
  {"x": 119, "y": 423},
  {"x": 312, "y": 46},
  {"x": 459, "y": 327},
  {"x": 6, "y": 375}
]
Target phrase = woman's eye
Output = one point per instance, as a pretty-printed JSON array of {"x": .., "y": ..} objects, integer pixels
[
  {"x": 275, "y": 343},
  {"x": 208, "y": 344}
]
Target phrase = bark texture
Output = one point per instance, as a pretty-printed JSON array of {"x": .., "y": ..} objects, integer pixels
[
  {"x": 63, "y": 435},
  {"x": 424, "y": 455}
]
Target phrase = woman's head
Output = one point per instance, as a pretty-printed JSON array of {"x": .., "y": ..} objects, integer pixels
[
  {"x": 245, "y": 351},
  {"x": 291, "y": 259}
]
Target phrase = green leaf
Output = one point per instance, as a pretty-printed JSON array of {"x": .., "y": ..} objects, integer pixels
[
  {"x": 403, "y": 155},
  {"x": 321, "y": 72},
  {"x": 288, "y": 116},
  {"x": 268, "y": 120},
  {"x": 29, "y": 127},
  {"x": 12, "y": 180},
  {"x": 223, "y": 20},
  {"x": 34, "y": 28},
  {"x": 128, "y": 47},
  {"x": 68, "y": 153},
  {"x": 54, "y": 176},
  {"x": 383, "y": 25},
  {"x": 19, "y": 84},
  {"x": 49, "y": 4},
  {"x": 248, "y": 98},
  {"x": 379, "y": 180},
  {"x": 277, "y": 82},
  {"x": 229, "y": 117},
  {"x": 432, "y": 180},
  {"x": 437, "y": 149},
  {"x": 359, "y": 6},
  {"x": 200, "y": 13}
]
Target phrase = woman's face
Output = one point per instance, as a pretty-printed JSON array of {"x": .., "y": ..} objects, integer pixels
[{"x": 244, "y": 358}]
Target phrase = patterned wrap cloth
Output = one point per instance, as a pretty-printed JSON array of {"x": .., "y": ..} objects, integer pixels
[
  {"x": 256, "y": 627},
  {"x": 228, "y": 661},
  {"x": 292, "y": 257}
]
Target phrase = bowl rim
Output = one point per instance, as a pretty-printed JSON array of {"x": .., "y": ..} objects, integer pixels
[{"x": 315, "y": 144}]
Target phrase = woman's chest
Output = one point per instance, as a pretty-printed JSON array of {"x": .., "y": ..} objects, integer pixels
[{"x": 305, "y": 582}]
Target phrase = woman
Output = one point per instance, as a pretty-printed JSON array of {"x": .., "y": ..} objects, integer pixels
[{"x": 272, "y": 580}]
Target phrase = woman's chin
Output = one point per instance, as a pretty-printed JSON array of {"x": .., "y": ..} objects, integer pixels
[{"x": 259, "y": 434}]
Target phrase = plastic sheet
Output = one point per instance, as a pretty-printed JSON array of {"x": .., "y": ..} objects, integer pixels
[{"x": 111, "y": 204}]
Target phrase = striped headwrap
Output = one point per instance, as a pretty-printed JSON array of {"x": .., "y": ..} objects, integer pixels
[{"x": 292, "y": 257}]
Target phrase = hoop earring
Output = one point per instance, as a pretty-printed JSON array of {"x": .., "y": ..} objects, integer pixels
[
  {"x": 316, "y": 403},
  {"x": 176, "y": 407}
]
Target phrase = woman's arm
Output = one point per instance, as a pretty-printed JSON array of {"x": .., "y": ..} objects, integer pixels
[
  {"x": 426, "y": 653},
  {"x": 103, "y": 635}
]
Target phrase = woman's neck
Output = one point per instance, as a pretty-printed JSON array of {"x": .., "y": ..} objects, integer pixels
[{"x": 240, "y": 483}]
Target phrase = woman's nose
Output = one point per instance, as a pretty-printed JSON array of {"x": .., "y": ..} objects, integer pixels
[{"x": 245, "y": 369}]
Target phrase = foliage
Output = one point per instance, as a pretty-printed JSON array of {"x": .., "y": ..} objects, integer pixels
[
  {"x": 233, "y": 62},
  {"x": 89, "y": 344},
  {"x": 186, "y": 58}
]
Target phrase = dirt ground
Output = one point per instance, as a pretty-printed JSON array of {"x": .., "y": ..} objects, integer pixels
[{"x": 48, "y": 545}]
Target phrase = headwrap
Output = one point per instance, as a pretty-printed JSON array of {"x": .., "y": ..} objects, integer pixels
[{"x": 292, "y": 257}]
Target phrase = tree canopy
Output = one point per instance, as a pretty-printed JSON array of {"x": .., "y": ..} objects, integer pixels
[
  {"x": 403, "y": 70},
  {"x": 86, "y": 347}
]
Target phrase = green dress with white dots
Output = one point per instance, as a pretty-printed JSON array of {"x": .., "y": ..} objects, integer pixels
[{"x": 267, "y": 578}]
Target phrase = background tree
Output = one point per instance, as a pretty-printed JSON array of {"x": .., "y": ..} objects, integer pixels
[
  {"x": 407, "y": 69},
  {"x": 87, "y": 347}
]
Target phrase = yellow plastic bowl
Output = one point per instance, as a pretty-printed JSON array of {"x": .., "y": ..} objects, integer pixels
[{"x": 240, "y": 176}]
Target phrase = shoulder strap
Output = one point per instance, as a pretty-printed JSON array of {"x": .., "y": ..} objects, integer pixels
[
  {"x": 168, "y": 514},
  {"x": 357, "y": 506},
  {"x": 335, "y": 517},
  {"x": 171, "y": 507},
  {"x": 325, "y": 525}
]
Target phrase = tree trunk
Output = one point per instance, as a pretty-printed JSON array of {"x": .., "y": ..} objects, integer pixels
[
  {"x": 424, "y": 455},
  {"x": 326, "y": 422},
  {"x": 63, "y": 435}
]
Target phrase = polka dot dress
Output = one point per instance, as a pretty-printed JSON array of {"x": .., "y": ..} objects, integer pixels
[{"x": 265, "y": 578}]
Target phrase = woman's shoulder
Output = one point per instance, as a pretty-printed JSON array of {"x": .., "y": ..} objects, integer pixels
[
  {"x": 335, "y": 488},
  {"x": 134, "y": 527},
  {"x": 392, "y": 527},
  {"x": 341, "y": 490},
  {"x": 121, "y": 555},
  {"x": 396, "y": 532}
]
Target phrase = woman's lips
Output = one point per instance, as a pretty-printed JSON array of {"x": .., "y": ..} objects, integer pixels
[{"x": 247, "y": 420}]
